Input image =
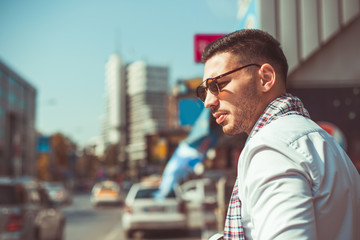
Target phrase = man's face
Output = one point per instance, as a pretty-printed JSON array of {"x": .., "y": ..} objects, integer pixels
[{"x": 235, "y": 107}]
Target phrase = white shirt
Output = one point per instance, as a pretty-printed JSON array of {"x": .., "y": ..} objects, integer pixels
[{"x": 296, "y": 182}]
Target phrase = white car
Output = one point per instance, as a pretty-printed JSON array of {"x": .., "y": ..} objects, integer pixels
[
  {"x": 201, "y": 196},
  {"x": 145, "y": 213},
  {"x": 106, "y": 192},
  {"x": 58, "y": 193}
]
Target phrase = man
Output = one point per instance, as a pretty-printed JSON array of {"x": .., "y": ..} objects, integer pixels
[{"x": 294, "y": 181}]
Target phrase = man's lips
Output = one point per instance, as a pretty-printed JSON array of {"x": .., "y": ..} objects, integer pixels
[{"x": 220, "y": 117}]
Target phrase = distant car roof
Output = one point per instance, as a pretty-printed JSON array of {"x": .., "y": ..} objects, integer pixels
[
  {"x": 5, "y": 180},
  {"x": 106, "y": 183}
]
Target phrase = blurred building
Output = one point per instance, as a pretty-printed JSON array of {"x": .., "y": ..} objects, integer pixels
[
  {"x": 17, "y": 124},
  {"x": 114, "y": 93},
  {"x": 114, "y": 121},
  {"x": 147, "y": 90},
  {"x": 135, "y": 108}
]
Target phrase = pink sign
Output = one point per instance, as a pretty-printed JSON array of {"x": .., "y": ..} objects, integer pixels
[{"x": 201, "y": 41}]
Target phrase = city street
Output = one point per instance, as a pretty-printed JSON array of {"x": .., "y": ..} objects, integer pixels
[
  {"x": 191, "y": 120},
  {"x": 101, "y": 223}
]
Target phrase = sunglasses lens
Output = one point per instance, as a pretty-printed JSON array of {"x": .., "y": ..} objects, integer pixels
[
  {"x": 201, "y": 93},
  {"x": 212, "y": 85}
]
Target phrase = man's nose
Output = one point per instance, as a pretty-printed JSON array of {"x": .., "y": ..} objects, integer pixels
[{"x": 211, "y": 100}]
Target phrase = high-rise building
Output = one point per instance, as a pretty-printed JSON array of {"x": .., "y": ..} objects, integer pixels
[
  {"x": 147, "y": 88},
  {"x": 115, "y": 97},
  {"x": 17, "y": 124}
]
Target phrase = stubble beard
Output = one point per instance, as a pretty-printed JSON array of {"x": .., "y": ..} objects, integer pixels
[{"x": 243, "y": 116}]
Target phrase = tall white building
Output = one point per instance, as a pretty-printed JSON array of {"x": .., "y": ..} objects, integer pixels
[
  {"x": 115, "y": 97},
  {"x": 147, "y": 93}
]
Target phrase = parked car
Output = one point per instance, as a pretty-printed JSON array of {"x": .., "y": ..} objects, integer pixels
[
  {"x": 143, "y": 212},
  {"x": 106, "y": 192},
  {"x": 58, "y": 192},
  {"x": 200, "y": 190},
  {"x": 201, "y": 203},
  {"x": 27, "y": 212}
]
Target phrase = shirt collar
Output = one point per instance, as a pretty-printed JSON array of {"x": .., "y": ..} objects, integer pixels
[{"x": 284, "y": 105}]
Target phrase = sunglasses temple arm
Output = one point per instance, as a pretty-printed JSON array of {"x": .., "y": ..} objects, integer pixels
[{"x": 218, "y": 89}]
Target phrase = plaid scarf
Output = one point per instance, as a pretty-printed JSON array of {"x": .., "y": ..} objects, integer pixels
[{"x": 284, "y": 105}]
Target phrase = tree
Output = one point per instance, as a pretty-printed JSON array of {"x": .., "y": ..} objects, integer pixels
[{"x": 111, "y": 155}]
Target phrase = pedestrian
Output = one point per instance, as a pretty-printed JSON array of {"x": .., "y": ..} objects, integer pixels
[{"x": 293, "y": 180}]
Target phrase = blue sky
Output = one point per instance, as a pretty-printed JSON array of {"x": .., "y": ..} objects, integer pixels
[{"x": 61, "y": 47}]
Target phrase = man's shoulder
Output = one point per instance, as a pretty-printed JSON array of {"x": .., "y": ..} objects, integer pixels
[{"x": 287, "y": 129}]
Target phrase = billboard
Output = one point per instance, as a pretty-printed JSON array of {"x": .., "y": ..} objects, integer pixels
[
  {"x": 201, "y": 41},
  {"x": 44, "y": 144}
]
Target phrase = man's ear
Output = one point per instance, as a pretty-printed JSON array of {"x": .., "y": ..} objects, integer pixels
[{"x": 268, "y": 77}]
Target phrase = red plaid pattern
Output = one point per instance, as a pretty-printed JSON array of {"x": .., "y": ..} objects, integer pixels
[
  {"x": 233, "y": 226},
  {"x": 284, "y": 105}
]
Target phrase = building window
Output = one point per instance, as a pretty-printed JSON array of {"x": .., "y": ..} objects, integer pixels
[
  {"x": 11, "y": 98},
  {"x": 12, "y": 82}
]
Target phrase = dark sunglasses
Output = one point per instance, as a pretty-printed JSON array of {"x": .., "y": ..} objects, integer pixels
[{"x": 213, "y": 85}]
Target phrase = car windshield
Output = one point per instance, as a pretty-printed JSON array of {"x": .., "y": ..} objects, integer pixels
[
  {"x": 149, "y": 193},
  {"x": 108, "y": 187},
  {"x": 53, "y": 185},
  {"x": 9, "y": 194}
]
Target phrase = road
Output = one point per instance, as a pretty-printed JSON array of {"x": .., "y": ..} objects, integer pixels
[{"x": 83, "y": 221}]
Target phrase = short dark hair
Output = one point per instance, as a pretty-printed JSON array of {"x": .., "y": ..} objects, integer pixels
[{"x": 252, "y": 46}]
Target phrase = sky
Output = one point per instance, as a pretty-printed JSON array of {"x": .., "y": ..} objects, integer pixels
[{"x": 61, "y": 46}]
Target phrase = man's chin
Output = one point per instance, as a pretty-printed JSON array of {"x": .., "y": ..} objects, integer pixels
[
  {"x": 228, "y": 131},
  {"x": 231, "y": 131}
]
